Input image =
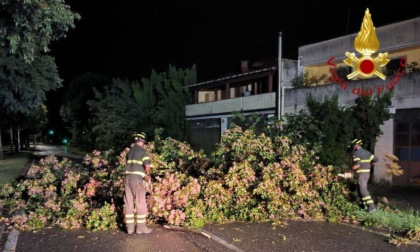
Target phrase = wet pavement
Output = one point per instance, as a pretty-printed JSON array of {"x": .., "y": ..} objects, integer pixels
[
  {"x": 56, "y": 150},
  {"x": 296, "y": 236},
  {"x": 55, "y": 239},
  {"x": 305, "y": 236}
]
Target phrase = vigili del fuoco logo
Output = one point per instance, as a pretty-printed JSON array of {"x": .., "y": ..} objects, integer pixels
[{"x": 366, "y": 43}]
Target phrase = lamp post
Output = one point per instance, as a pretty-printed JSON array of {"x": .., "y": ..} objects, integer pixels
[{"x": 280, "y": 92}]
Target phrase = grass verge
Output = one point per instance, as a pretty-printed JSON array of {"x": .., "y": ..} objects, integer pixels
[
  {"x": 12, "y": 166},
  {"x": 404, "y": 224}
]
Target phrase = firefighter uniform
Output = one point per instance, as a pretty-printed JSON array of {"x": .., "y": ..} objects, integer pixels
[
  {"x": 135, "y": 192},
  {"x": 364, "y": 159}
]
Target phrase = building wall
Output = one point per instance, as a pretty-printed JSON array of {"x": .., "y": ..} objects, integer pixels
[
  {"x": 391, "y": 37},
  {"x": 289, "y": 72},
  {"x": 406, "y": 95},
  {"x": 384, "y": 146},
  {"x": 411, "y": 54}
]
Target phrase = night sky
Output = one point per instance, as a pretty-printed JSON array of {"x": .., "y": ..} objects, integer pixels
[{"x": 128, "y": 39}]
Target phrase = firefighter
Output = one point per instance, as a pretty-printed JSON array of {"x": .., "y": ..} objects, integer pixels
[
  {"x": 137, "y": 170},
  {"x": 363, "y": 161}
]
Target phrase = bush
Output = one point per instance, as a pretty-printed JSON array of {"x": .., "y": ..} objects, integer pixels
[
  {"x": 67, "y": 196},
  {"x": 250, "y": 178}
]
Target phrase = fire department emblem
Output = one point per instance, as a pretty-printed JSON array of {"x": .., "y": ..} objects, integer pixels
[{"x": 366, "y": 43}]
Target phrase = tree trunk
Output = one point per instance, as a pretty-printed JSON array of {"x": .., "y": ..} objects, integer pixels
[
  {"x": 16, "y": 140},
  {"x": 27, "y": 141},
  {"x": 11, "y": 140},
  {"x": 1, "y": 147}
]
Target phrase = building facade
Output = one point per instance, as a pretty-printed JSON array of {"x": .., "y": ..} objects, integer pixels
[
  {"x": 256, "y": 90},
  {"x": 401, "y": 134},
  {"x": 252, "y": 91}
]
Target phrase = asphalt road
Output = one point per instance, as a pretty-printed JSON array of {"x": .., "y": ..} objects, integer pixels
[
  {"x": 160, "y": 239},
  {"x": 56, "y": 150},
  {"x": 258, "y": 237}
]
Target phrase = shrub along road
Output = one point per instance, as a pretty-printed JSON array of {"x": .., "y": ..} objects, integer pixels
[{"x": 296, "y": 236}]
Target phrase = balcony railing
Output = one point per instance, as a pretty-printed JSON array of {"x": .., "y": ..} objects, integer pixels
[{"x": 246, "y": 103}]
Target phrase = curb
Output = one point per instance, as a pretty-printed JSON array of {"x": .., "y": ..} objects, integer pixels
[
  {"x": 25, "y": 170},
  {"x": 379, "y": 232},
  {"x": 206, "y": 234},
  {"x": 2, "y": 228},
  {"x": 11, "y": 241},
  {"x": 221, "y": 241}
]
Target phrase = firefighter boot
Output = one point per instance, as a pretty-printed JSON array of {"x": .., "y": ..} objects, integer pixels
[
  {"x": 130, "y": 228},
  {"x": 142, "y": 229}
]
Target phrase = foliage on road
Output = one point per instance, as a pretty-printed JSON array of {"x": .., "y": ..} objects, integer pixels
[
  {"x": 249, "y": 178},
  {"x": 59, "y": 193},
  {"x": 253, "y": 178}
]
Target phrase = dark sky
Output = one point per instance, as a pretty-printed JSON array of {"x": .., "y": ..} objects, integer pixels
[{"x": 130, "y": 38}]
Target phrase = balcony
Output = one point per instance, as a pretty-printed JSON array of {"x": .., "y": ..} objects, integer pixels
[{"x": 246, "y": 103}]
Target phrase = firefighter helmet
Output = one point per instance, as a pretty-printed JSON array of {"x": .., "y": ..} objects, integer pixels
[
  {"x": 140, "y": 136},
  {"x": 356, "y": 142}
]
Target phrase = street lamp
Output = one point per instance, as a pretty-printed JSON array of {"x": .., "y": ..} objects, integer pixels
[{"x": 65, "y": 141}]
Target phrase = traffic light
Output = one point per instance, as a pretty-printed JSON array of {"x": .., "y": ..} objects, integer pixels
[
  {"x": 65, "y": 141},
  {"x": 50, "y": 132}
]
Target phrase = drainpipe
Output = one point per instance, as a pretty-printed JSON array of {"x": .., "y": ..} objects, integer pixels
[{"x": 280, "y": 92}]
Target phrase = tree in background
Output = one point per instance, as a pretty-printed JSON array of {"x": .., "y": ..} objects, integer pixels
[
  {"x": 28, "y": 27},
  {"x": 74, "y": 110},
  {"x": 327, "y": 128},
  {"x": 125, "y": 107},
  {"x": 116, "y": 111},
  {"x": 337, "y": 125},
  {"x": 23, "y": 88},
  {"x": 169, "y": 97},
  {"x": 27, "y": 72},
  {"x": 24, "y": 84},
  {"x": 370, "y": 113}
]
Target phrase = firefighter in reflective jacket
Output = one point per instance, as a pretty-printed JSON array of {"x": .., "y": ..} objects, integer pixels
[
  {"x": 137, "y": 169},
  {"x": 363, "y": 161}
]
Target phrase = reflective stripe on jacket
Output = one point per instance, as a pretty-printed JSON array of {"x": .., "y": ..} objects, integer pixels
[
  {"x": 363, "y": 158},
  {"x": 137, "y": 158}
]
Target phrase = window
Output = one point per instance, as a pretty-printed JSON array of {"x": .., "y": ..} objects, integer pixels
[
  {"x": 403, "y": 153},
  {"x": 204, "y": 134},
  {"x": 407, "y": 136}
]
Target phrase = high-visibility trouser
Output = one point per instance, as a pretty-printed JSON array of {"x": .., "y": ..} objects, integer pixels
[
  {"x": 362, "y": 180},
  {"x": 135, "y": 197}
]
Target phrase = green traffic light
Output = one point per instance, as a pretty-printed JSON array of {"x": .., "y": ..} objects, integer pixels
[
  {"x": 51, "y": 132},
  {"x": 65, "y": 141}
]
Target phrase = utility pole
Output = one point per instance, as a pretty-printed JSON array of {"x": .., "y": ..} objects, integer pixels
[{"x": 280, "y": 91}]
